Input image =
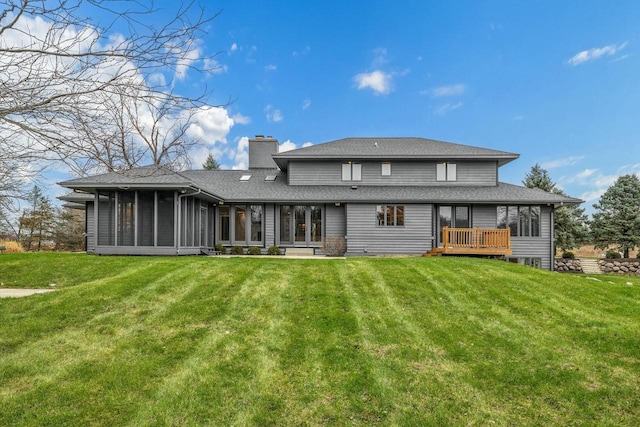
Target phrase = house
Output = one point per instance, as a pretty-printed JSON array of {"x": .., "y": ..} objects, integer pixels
[{"x": 377, "y": 195}]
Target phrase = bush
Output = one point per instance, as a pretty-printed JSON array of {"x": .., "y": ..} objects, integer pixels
[
  {"x": 568, "y": 255},
  {"x": 11, "y": 246},
  {"x": 237, "y": 250},
  {"x": 611, "y": 253},
  {"x": 220, "y": 248},
  {"x": 254, "y": 250},
  {"x": 274, "y": 250},
  {"x": 334, "y": 246}
]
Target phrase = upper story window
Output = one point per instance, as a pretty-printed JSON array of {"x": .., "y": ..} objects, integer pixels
[
  {"x": 351, "y": 172},
  {"x": 386, "y": 169},
  {"x": 446, "y": 172}
]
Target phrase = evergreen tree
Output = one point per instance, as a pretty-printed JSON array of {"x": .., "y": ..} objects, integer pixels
[
  {"x": 539, "y": 178},
  {"x": 570, "y": 222},
  {"x": 69, "y": 230},
  {"x": 211, "y": 164},
  {"x": 617, "y": 217},
  {"x": 37, "y": 223}
]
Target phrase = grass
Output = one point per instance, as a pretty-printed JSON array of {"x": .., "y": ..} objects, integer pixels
[{"x": 363, "y": 341}]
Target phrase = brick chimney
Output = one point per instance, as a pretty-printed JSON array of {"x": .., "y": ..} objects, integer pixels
[{"x": 260, "y": 151}]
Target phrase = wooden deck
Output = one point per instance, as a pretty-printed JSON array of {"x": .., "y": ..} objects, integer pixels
[{"x": 474, "y": 241}]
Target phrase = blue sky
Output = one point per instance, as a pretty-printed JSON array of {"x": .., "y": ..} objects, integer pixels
[{"x": 556, "y": 82}]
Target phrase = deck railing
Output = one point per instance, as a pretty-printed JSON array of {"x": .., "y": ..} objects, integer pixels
[{"x": 476, "y": 240}]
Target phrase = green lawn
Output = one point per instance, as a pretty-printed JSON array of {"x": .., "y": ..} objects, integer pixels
[{"x": 364, "y": 341}]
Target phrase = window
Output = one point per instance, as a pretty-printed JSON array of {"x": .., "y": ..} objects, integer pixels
[
  {"x": 240, "y": 223},
  {"x": 146, "y": 201},
  {"x": 530, "y": 262},
  {"x": 285, "y": 224},
  {"x": 351, "y": 172},
  {"x": 106, "y": 218},
  {"x": 223, "y": 214},
  {"x": 446, "y": 172},
  {"x": 256, "y": 223},
  {"x": 126, "y": 210},
  {"x": 166, "y": 207},
  {"x": 390, "y": 215},
  {"x": 245, "y": 177},
  {"x": 316, "y": 223},
  {"x": 386, "y": 169},
  {"x": 301, "y": 225},
  {"x": 523, "y": 221}
]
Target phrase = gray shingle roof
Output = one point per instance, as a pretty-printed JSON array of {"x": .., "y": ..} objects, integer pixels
[
  {"x": 391, "y": 148},
  {"x": 227, "y": 185}
]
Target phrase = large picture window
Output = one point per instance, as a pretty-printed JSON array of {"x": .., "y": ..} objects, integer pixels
[
  {"x": 523, "y": 221},
  {"x": 390, "y": 215}
]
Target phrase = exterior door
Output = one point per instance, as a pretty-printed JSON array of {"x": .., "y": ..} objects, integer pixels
[{"x": 452, "y": 216}]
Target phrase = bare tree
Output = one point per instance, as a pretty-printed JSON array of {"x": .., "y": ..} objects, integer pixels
[{"x": 92, "y": 83}]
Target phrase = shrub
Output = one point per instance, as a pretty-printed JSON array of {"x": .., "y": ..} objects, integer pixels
[
  {"x": 11, "y": 246},
  {"x": 611, "y": 253},
  {"x": 220, "y": 248},
  {"x": 237, "y": 250},
  {"x": 254, "y": 250},
  {"x": 334, "y": 246},
  {"x": 274, "y": 250},
  {"x": 568, "y": 255}
]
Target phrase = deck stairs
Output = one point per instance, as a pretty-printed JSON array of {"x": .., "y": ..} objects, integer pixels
[{"x": 590, "y": 266}]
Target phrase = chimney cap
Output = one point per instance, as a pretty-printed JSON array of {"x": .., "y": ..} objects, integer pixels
[{"x": 259, "y": 136}]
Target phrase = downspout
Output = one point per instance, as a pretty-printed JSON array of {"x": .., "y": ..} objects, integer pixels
[
  {"x": 180, "y": 196},
  {"x": 553, "y": 238}
]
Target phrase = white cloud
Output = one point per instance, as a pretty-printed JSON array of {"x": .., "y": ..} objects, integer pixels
[
  {"x": 241, "y": 120},
  {"x": 211, "y": 125},
  {"x": 271, "y": 67},
  {"x": 586, "y": 173},
  {"x": 287, "y": 146},
  {"x": 241, "y": 154},
  {"x": 595, "y": 53},
  {"x": 565, "y": 161},
  {"x": 451, "y": 90},
  {"x": 306, "y": 104},
  {"x": 191, "y": 55},
  {"x": 304, "y": 51},
  {"x": 378, "y": 81},
  {"x": 380, "y": 57},
  {"x": 213, "y": 67},
  {"x": 234, "y": 47},
  {"x": 447, "y": 108},
  {"x": 274, "y": 116},
  {"x": 252, "y": 50}
]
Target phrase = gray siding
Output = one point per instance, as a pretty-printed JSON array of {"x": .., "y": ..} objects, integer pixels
[
  {"x": 91, "y": 227},
  {"x": 335, "y": 221},
  {"x": 485, "y": 216},
  {"x": 365, "y": 237},
  {"x": 269, "y": 225},
  {"x": 402, "y": 173}
]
